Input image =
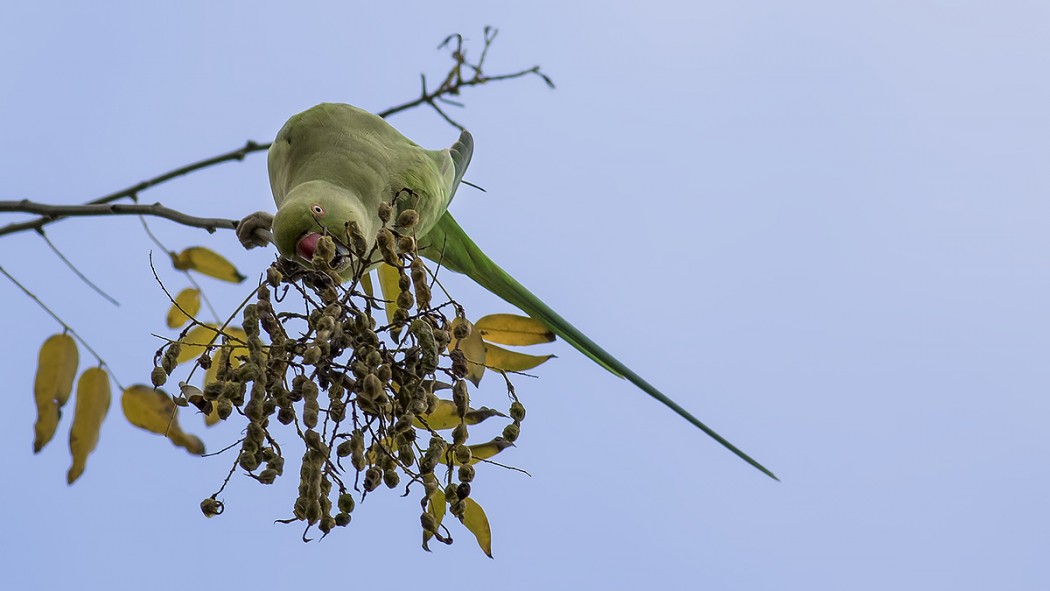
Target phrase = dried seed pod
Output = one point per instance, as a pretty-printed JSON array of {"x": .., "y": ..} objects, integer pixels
[
  {"x": 407, "y": 218},
  {"x": 357, "y": 460},
  {"x": 346, "y": 503},
  {"x": 211, "y": 507},
  {"x": 358, "y": 244},
  {"x": 406, "y": 245},
  {"x": 158, "y": 376},
  {"x": 517, "y": 411},
  {"x": 390, "y": 478},
  {"x": 463, "y": 490},
  {"x": 327, "y": 523},
  {"x": 267, "y": 476},
  {"x": 342, "y": 519},
  {"x": 511, "y": 432},
  {"x": 313, "y": 439},
  {"x": 373, "y": 477},
  {"x": 385, "y": 211},
  {"x": 463, "y": 454},
  {"x": 343, "y": 449},
  {"x": 423, "y": 295},
  {"x": 461, "y": 330},
  {"x": 312, "y": 355},
  {"x": 273, "y": 276},
  {"x": 313, "y": 511},
  {"x": 466, "y": 473},
  {"x": 385, "y": 241},
  {"x": 459, "y": 363},
  {"x": 371, "y": 387},
  {"x": 405, "y": 300},
  {"x": 224, "y": 408},
  {"x": 286, "y": 415},
  {"x": 430, "y": 484},
  {"x": 276, "y": 464},
  {"x": 451, "y": 491},
  {"x": 247, "y": 459},
  {"x": 459, "y": 434},
  {"x": 458, "y": 508},
  {"x": 429, "y": 523},
  {"x": 461, "y": 397}
]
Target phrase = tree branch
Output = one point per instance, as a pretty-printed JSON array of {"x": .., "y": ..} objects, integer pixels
[
  {"x": 453, "y": 83},
  {"x": 50, "y": 213}
]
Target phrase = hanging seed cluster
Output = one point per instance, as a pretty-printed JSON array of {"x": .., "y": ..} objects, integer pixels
[{"x": 360, "y": 394}]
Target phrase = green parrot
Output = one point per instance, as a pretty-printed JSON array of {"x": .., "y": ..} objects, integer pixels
[{"x": 334, "y": 163}]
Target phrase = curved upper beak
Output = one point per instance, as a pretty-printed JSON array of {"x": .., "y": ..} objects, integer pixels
[{"x": 306, "y": 245}]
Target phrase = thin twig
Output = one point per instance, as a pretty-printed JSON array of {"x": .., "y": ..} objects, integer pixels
[
  {"x": 160, "y": 244},
  {"x": 75, "y": 270},
  {"x": 66, "y": 327}
]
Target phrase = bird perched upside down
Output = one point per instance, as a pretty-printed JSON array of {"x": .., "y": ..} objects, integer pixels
[{"x": 332, "y": 166}]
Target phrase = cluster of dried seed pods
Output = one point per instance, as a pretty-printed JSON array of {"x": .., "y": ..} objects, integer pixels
[{"x": 363, "y": 396}]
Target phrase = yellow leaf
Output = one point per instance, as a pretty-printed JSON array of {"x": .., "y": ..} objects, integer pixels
[
  {"x": 366, "y": 284},
  {"x": 92, "y": 405},
  {"x": 199, "y": 337},
  {"x": 154, "y": 411},
  {"x": 189, "y": 300},
  {"x": 445, "y": 417},
  {"x": 207, "y": 262},
  {"x": 475, "y": 520},
  {"x": 473, "y": 349},
  {"x": 56, "y": 368},
  {"x": 511, "y": 329},
  {"x": 483, "y": 451},
  {"x": 388, "y": 283},
  {"x": 436, "y": 507},
  {"x": 500, "y": 358}
]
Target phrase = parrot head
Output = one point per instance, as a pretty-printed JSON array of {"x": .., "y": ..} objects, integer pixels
[{"x": 311, "y": 211}]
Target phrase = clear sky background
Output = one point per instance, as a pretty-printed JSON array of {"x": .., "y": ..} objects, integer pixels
[{"x": 821, "y": 226}]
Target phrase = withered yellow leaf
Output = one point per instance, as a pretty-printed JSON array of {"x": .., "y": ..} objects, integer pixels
[
  {"x": 483, "y": 451},
  {"x": 473, "y": 349},
  {"x": 189, "y": 300},
  {"x": 436, "y": 507},
  {"x": 56, "y": 368},
  {"x": 511, "y": 329},
  {"x": 477, "y": 522},
  {"x": 207, "y": 262},
  {"x": 154, "y": 411},
  {"x": 92, "y": 405},
  {"x": 500, "y": 358},
  {"x": 199, "y": 337},
  {"x": 388, "y": 283},
  {"x": 366, "y": 284},
  {"x": 444, "y": 416}
]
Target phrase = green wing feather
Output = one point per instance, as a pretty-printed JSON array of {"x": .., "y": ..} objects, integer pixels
[{"x": 450, "y": 246}]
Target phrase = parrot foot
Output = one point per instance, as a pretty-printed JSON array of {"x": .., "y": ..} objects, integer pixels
[{"x": 254, "y": 230}]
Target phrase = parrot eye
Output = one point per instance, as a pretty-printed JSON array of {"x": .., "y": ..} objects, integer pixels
[{"x": 317, "y": 210}]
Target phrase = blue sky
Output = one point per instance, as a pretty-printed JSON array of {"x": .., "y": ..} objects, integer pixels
[{"x": 820, "y": 226}]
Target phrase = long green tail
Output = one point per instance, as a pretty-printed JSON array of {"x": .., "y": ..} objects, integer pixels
[{"x": 449, "y": 245}]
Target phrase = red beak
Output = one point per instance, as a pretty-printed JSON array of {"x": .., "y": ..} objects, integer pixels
[{"x": 307, "y": 245}]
